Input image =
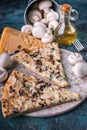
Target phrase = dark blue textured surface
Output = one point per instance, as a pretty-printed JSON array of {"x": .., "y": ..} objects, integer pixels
[{"x": 11, "y": 15}]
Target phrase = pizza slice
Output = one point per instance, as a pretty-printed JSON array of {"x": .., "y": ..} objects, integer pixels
[
  {"x": 24, "y": 94},
  {"x": 45, "y": 62}
]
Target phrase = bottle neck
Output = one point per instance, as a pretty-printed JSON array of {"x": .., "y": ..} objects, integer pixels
[{"x": 66, "y": 18}]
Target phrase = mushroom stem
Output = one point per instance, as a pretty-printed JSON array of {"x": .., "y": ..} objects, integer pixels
[
  {"x": 34, "y": 15},
  {"x": 27, "y": 29},
  {"x": 44, "y": 21},
  {"x": 45, "y": 5},
  {"x": 3, "y": 75},
  {"x": 46, "y": 10},
  {"x": 5, "y": 60},
  {"x": 47, "y": 38},
  {"x": 53, "y": 25}
]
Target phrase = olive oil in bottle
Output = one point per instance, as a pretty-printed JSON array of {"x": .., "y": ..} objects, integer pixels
[{"x": 66, "y": 31}]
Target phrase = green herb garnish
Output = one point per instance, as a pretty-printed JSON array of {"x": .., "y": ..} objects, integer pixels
[
  {"x": 29, "y": 86},
  {"x": 52, "y": 49},
  {"x": 51, "y": 76}
]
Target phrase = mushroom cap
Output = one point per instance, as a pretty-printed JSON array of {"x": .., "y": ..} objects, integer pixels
[
  {"x": 45, "y": 14},
  {"x": 3, "y": 75},
  {"x": 34, "y": 15},
  {"x": 27, "y": 29},
  {"x": 39, "y": 24},
  {"x": 4, "y": 60},
  {"x": 80, "y": 69},
  {"x": 53, "y": 25},
  {"x": 75, "y": 58},
  {"x": 47, "y": 38},
  {"x": 45, "y": 4},
  {"x": 52, "y": 16},
  {"x": 38, "y": 31}
]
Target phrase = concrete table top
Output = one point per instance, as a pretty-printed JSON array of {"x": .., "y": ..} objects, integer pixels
[{"x": 11, "y": 15}]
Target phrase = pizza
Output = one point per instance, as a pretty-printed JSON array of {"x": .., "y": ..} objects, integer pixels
[
  {"x": 23, "y": 93},
  {"x": 45, "y": 63}
]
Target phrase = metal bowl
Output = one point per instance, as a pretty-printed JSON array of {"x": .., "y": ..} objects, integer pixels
[{"x": 55, "y": 6}]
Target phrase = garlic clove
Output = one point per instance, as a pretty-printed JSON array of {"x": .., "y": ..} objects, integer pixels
[
  {"x": 27, "y": 29},
  {"x": 5, "y": 60},
  {"x": 3, "y": 75},
  {"x": 80, "y": 69},
  {"x": 75, "y": 58}
]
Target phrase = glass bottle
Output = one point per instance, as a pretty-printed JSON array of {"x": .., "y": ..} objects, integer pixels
[{"x": 66, "y": 31}]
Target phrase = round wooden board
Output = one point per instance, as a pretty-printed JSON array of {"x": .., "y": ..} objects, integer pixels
[{"x": 76, "y": 84}]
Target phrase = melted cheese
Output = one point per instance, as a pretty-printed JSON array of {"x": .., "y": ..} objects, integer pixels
[
  {"x": 45, "y": 58},
  {"x": 23, "y": 96}
]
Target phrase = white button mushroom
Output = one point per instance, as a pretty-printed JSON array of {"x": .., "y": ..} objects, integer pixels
[
  {"x": 49, "y": 31},
  {"x": 38, "y": 31},
  {"x": 44, "y": 21},
  {"x": 45, "y": 14},
  {"x": 47, "y": 38},
  {"x": 34, "y": 16},
  {"x": 45, "y": 5},
  {"x": 39, "y": 24},
  {"x": 27, "y": 29},
  {"x": 52, "y": 16},
  {"x": 80, "y": 69},
  {"x": 5, "y": 60},
  {"x": 75, "y": 58},
  {"x": 53, "y": 25},
  {"x": 3, "y": 75}
]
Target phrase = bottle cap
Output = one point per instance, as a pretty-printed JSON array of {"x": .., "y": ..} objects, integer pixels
[{"x": 66, "y": 8}]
